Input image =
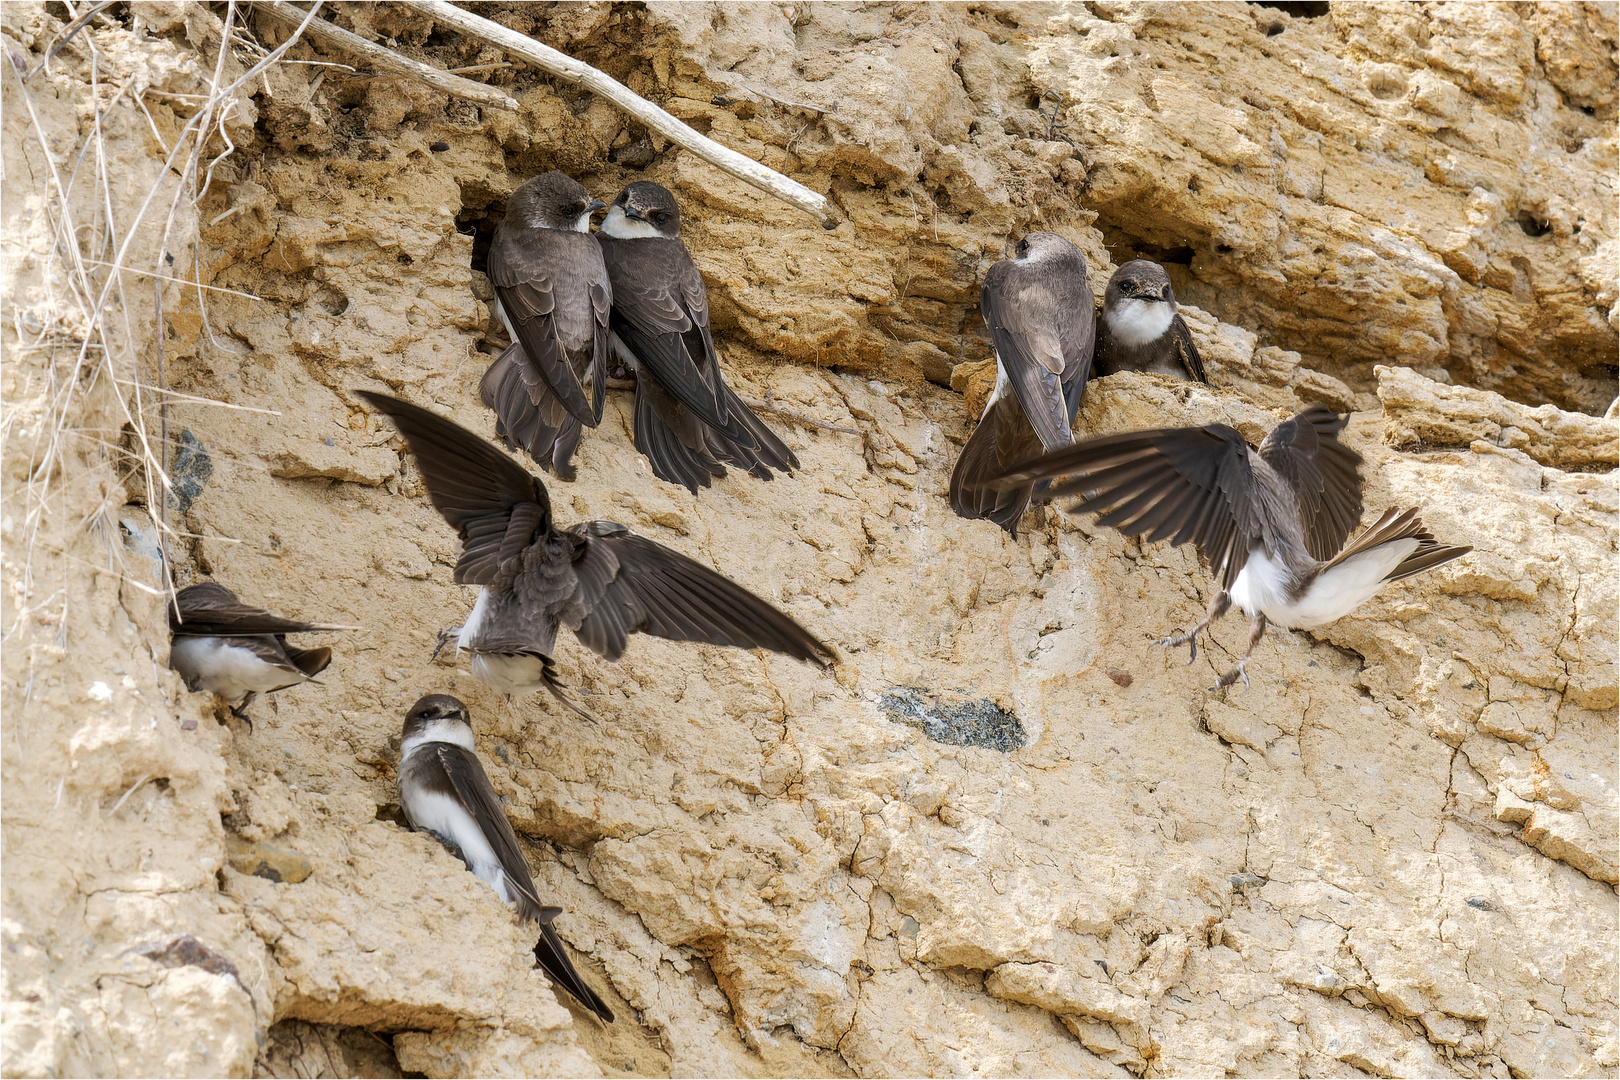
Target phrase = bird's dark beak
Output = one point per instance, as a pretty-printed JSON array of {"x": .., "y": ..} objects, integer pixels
[{"x": 596, "y": 204}]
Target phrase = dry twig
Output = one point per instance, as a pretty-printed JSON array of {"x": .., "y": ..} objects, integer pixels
[
  {"x": 566, "y": 67},
  {"x": 388, "y": 60}
]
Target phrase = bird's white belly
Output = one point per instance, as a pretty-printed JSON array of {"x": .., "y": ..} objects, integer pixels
[
  {"x": 509, "y": 674},
  {"x": 439, "y": 813},
  {"x": 228, "y": 670},
  {"x": 1261, "y": 586}
]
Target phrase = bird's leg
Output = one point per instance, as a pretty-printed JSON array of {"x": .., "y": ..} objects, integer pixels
[
  {"x": 442, "y": 640},
  {"x": 1218, "y": 606},
  {"x": 1257, "y": 630},
  {"x": 240, "y": 711}
]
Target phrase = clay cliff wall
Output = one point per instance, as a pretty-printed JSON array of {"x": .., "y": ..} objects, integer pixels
[{"x": 1006, "y": 834}]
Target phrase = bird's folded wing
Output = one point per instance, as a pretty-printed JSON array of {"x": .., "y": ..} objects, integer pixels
[
  {"x": 628, "y": 583},
  {"x": 521, "y": 266},
  {"x": 1023, "y": 329},
  {"x": 1002, "y": 438},
  {"x": 1324, "y": 474},
  {"x": 209, "y": 609},
  {"x": 497, "y": 506},
  {"x": 1187, "y": 349},
  {"x": 1175, "y": 484},
  {"x": 477, "y": 797}
]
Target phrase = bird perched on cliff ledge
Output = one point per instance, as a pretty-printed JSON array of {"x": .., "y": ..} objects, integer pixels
[
  {"x": 224, "y": 646},
  {"x": 445, "y": 792},
  {"x": 1141, "y": 329},
  {"x": 688, "y": 421},
  {"x": 1270, "y": 523},
  {"x": 1042, "y": 321},
  {"x": 552, "y": 292}
]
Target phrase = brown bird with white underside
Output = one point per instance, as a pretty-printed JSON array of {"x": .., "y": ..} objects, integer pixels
[
  {"x": 1271, "y": 523},
  {"x": 237, "y": 651},
  {"x": 1141, "y": 330},
  {"x": 445, "y": 792}
]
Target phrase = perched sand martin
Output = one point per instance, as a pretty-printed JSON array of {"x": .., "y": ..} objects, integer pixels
[
  {"x": 445, "y": 792},
  {"x": 597, "y": 578},
  {"x": 688, "y": 421},
  {"x": 552, "y": 293},
  {"x": 1042, "y": 321},
  {"x": 1271, "y": 523},
  {"x": 1141, "y": 330},
  {"x": 223, "y": 646}
]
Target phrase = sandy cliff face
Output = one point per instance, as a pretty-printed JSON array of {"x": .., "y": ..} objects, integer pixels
[{"x": 1006, "y": 834}]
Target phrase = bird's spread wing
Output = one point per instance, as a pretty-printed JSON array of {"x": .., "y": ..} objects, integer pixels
[
  {"x": 1323, "y": 473},
  {"x": 1175, "y": 484},
  {"x": 1023, "y": 322},
  {"x": 1188, "y": 350},
  {"x": 523, "y": 266},
  {"x": 497, "y": 506},
  {"x": 628, "y": 583},
  {"x": 477, "y": 797},
  {"x": 209, "y": 609}
]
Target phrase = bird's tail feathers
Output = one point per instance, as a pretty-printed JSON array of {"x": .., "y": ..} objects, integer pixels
[{"x": 552, "y": 955}]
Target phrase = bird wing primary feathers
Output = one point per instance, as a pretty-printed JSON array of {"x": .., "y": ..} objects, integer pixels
[
  {"x": 628, "y": 583},
  {"x": 1022, "y": 319},
  {"x": 1175, "y": 484},
  {"x": 524, "y": 265},
  {"x": 497, "y": 506},
  {"x": 662, "y": 314},
  {"x": 1324, "y": 474},
  {"x": 1187, "y": 349},
  {"x": 477, "y": 797},
  {"x": 209, "y": 609}
]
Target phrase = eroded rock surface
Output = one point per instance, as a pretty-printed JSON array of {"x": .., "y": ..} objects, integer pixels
[{"x": 1006, "y": 834}]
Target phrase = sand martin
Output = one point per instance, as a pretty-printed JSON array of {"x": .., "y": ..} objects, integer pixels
[
  {"x": 552, "y": 293},
  {"x": 1141, "y": 330},
  {"x": 446, "y": 793},
  {"x": 1042, "y": 321},
  {"x": 597, "y": 578},
  {"x": 223, "y": 646},
  {"x": 1271, "y": 523},
  {"x": 688, "y": 421}
]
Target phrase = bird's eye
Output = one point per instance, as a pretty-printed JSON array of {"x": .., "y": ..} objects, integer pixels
[
  {"x": 1167, "y": 292},
  {"x": 659, "y": 217},
  {"x": 1127, "y": 288}
]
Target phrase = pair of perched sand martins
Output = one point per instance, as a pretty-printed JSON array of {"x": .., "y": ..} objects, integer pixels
[{"x": 1271, "y": 523}]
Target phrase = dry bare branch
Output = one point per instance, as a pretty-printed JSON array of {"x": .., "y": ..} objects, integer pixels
[
  {"x": 388, "y": 60},
  {"x": 566, "y": 67}
]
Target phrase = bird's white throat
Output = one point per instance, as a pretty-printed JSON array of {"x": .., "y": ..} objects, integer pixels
[
  {"x": 445, "y": 731},
  {"x": 621, "y": 226},
  {"x": 1138, "y": 322}
]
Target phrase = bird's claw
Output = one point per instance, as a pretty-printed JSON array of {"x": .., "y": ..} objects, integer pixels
[
  {"x": 441, "y": 641},
  {"x": 1234, "y": 675},
  {"x": 1190, "y": 640}
]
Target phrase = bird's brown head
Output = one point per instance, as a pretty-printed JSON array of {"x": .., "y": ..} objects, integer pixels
[
  {"x": 435, "y": 715},
  {"x": 643, "y": 209},
  {"x": 1141, "y": 280},
  {"x": 552, "y": 200}
]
